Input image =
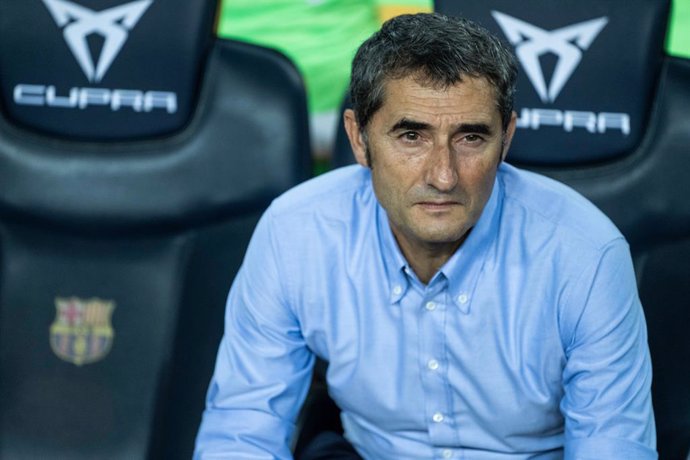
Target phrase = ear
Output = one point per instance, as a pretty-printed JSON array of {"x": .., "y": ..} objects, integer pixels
[
  {"x": 510, "y": 131},
  {"x": 356, "y": 137}
]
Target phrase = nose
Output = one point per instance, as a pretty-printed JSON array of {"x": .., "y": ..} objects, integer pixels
[{"x": 441, "y": 172}]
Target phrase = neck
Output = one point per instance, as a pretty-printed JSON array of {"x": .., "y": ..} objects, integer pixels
[{"x": 426, "y": 260}]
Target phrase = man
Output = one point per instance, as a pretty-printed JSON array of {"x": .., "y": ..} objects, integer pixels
[{"x": 467, "y": 309}]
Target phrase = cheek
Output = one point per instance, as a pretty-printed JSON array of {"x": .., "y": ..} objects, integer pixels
[
  {"x": 384, "y": 186},
  {"x": 393, "y": 179}
]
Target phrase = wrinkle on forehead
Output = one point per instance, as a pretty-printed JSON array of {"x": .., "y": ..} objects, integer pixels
[
  {"x": 407, "y": 98},
  {"x": 429, "y": 86}
]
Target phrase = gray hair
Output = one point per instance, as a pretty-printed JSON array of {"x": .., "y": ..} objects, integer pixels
[{"x": 438, "y": 50}]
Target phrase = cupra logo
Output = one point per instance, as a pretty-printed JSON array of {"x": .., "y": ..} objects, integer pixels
[
  {"x": 531, "y": 42},
  {"x": 112, "y": 24}
]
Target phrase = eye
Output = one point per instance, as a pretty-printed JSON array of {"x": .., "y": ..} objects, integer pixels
[
  {"x": 472, "y": 138},
  {"x": 410, "y": 136}
]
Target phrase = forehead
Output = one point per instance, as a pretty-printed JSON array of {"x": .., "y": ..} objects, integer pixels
[{"x": 471, "y": 98}]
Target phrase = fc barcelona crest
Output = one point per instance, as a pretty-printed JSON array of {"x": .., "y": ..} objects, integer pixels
[{"x": 81, "y": 332}]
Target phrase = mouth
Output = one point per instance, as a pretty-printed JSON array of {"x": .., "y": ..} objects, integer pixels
[{"x": 436, "y": 206}]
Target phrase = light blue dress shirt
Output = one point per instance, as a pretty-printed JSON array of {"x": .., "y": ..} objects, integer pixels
[{"x": 530, "y": 342}]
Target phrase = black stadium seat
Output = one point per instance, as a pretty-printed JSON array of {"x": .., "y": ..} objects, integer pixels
[
  {"x": 137, "y": 152},
  {"x": 604, "y": 109}
]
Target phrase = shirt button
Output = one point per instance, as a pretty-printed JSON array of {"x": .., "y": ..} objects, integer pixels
[
  {"x": 447, "y": 453},
  {"x": 437, "y": 417},
  {"x": 432, "y": 364},
  {"x": 431, "y": 306},
  {"x": 397, "y": 289},
  {"x": 462, "y": 298}
]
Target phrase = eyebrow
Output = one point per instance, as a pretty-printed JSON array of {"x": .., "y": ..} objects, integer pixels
[
  {"x": 478, "y": 128},
  {"x": 412, "y": 125},
  {"x": 405, "y": 124}
]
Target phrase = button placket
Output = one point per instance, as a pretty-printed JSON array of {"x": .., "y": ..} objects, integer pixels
[{"x": 431, "y": 323}]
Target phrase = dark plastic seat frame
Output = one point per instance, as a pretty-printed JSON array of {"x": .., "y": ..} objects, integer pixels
[{"x": 159, "y": 226}]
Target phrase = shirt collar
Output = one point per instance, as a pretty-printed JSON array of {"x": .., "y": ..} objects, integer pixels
[{"x": 461, "y": 270}]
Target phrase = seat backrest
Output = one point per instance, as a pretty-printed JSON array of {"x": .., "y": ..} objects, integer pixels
[
  {"x": 137, "y": 152},
  {"x": 603, "y": 108}
]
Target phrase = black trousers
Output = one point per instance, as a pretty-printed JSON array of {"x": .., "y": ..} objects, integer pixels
[{"x": 329, "y": 445}]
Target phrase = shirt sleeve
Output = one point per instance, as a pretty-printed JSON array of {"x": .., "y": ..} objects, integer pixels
[
  {"x": 607, "y": 378},
  {"x": 263, "y": 367}
]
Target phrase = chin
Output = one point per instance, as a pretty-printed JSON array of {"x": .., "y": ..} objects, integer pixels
[{"x": 443, "y": 237}]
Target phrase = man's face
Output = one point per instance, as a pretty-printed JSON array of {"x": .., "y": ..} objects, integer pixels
[{"x": 434, "y": 155}]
